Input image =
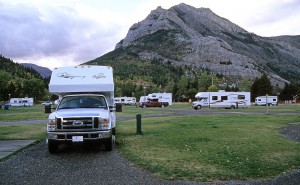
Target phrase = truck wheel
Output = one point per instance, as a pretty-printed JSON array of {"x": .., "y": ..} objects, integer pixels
[
  {"x": 109, "y": 144},
  {"x": 52, "y": 147},
  {"x": 144, "y": 106},
  {"x": 232, "y": 107},
  {"x": 199, "y": 107}
]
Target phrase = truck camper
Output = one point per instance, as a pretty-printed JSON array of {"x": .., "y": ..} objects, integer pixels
[
  {"x": 162, "y": 97},
  {"x": 222, "y": 99},
  {"x": 86, "y": 111}
]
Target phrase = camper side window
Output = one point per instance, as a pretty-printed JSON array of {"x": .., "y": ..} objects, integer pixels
[
  {"x": 241, "y": 97},
  {"x": 224, "y": 98},
  {"x": 214, "y": 97}
]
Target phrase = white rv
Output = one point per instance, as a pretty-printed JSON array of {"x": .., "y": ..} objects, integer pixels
[
  {"x": 19, "y": 102},
  {"x": 85, "y": 112},
  {"x": 143, "y": 99},
  {"x": 125, "y": 100},
  {"x": 266, "y": 100},
  {"x": 162, "y": 97},
  {"x": 222, "y": 99}
]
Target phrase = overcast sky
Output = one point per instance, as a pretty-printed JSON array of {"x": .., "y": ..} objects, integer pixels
[{"x": 55, "y": 33}]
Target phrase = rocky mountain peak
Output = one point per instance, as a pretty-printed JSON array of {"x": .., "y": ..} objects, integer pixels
[{"x": 197, "y": 37}]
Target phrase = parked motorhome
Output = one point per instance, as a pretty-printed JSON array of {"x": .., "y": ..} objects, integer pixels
[
  {"x": 222, "y": 99},
  {"x": 86, "y": 111},
  {"x": 125, "y": 100},
  {"x": 19, "y": 102},
  {"x": 266, "y": 100}
]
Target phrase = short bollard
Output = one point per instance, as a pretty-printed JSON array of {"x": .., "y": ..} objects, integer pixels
[{"x": 139, "y": 124}]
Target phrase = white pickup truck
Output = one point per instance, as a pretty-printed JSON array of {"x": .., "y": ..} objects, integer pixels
[{"x": 86, "y": 111}]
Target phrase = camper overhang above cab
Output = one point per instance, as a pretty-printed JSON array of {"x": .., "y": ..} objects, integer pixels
[{"x": 81, "y": 79}]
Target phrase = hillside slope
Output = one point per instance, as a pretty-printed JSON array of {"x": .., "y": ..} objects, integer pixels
[{"x": 199, "y": 39}]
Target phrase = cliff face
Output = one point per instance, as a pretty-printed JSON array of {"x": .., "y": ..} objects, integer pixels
[{"x": 184, "y": 35}]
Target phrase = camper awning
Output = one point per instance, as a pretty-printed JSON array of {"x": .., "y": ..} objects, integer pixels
[{"x": 85, "y": 78}]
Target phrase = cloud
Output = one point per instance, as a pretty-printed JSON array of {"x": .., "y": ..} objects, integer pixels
[
  {"x": 36, "y": 33},
  {"x": 54, "y": 33}
]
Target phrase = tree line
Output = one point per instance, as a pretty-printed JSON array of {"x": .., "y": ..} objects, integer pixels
[
  {"x": 141, "y": 78},
  {"x": 18, "y": 81}
]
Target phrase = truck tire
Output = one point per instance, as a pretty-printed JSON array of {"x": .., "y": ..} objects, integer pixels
[
  {"x": 198, "y": 107},
  {"x": 109, "y": 144},
  {"x": 232, "y": 107},
  {"x": 144, "y": 106},
  {"x": 52, "y": 147}
]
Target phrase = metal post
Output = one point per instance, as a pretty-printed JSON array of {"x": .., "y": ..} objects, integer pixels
[
  {"x": 139, "y": 124},
  {"x": 267, "y": 104}
]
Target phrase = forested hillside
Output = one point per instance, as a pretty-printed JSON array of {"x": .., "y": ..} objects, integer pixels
[{"x": 18, "y": 81}]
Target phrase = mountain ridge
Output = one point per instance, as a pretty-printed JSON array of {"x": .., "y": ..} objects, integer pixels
[
  {"x": 43, "y": 71},
  {"x": 214, "y": 43}
]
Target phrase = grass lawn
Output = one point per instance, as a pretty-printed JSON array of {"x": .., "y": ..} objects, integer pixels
[
  {"x": 23, "y": 132},
  {"x": 23, "y": 113},
  {"x": 206, "y": 148}
]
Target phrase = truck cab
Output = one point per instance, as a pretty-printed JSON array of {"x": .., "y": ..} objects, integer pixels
[{"x": 86, "y": 111}]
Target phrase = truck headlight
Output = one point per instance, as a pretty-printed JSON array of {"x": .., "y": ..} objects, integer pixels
[
  {"x": 51, "y": 125},
  {"x": 105, "y": 123}
]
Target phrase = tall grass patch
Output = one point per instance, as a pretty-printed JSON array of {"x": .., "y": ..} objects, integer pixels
[
  {"x": 23, "y": 113},
  {"x": 205, "y": 148},
  {"x": 23, "y": 132}
]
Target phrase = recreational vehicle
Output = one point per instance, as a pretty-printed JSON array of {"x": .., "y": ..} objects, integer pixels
[
  {"x": 162, "y": 97},
  {"x": 125, "y": 100},
  {"x": 266, "y": 100},
  {"x": 19, "y": 102},
  {"x": 222, "y": 99},
  {"x": 86, "y": 111}
]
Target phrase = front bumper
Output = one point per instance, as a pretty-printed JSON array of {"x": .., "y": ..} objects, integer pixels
[{"x": 87, "y": 136}]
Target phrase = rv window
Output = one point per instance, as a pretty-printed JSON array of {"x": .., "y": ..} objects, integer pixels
[
  {"x": 241, "y": 97},
  {"x": 214, "y": 97},
  {"x": 274, "y": 99},
  {"x": 224, "y": 98}
]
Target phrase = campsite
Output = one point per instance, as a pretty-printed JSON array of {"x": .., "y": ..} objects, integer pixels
[{"x": 195, "y": 145}]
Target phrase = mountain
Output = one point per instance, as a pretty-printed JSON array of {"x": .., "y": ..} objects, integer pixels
[
  {"x": 197, "y": 38},
  {"x": 43, "y": 71}
]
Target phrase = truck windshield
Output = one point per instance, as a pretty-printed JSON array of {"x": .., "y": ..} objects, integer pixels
[
  {"x": 72, "y": 102},
  {"x": 202, "y": 99}
]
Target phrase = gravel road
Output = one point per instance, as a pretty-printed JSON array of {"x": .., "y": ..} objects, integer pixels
[{"x": 83, "y": 165}]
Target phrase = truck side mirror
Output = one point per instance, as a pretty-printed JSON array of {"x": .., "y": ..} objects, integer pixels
[{"x": 112, "y": 108}]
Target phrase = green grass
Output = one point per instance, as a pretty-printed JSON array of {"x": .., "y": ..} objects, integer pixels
[
  {"x": 23, "y": 132},
  {"x": 206, "y": 148},
  {"x": 23, "y": 113}
]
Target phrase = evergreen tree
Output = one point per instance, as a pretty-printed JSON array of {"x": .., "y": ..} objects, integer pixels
[{"x": 261, "y": 87}]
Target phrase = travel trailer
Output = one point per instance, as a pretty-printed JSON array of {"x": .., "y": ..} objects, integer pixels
[
  {"x": 86, "y": 111},
  {"x": 266, "y": 100},
  {"x": 222, "y": 99},
  {"x": 162, "y": 97},
  {"x": 143, "y": 99},
  {"x": 125, "y": 100},
  {"x": 19, "y": 102}
]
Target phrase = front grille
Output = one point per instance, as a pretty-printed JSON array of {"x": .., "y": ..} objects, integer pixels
[{"x": 77, "y": 123}]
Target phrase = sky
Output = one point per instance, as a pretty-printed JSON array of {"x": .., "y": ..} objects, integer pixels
[{"x": 56, "y": 33}]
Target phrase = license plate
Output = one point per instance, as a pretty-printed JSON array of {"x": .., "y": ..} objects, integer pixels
[{"x": 77, "y": 138}]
